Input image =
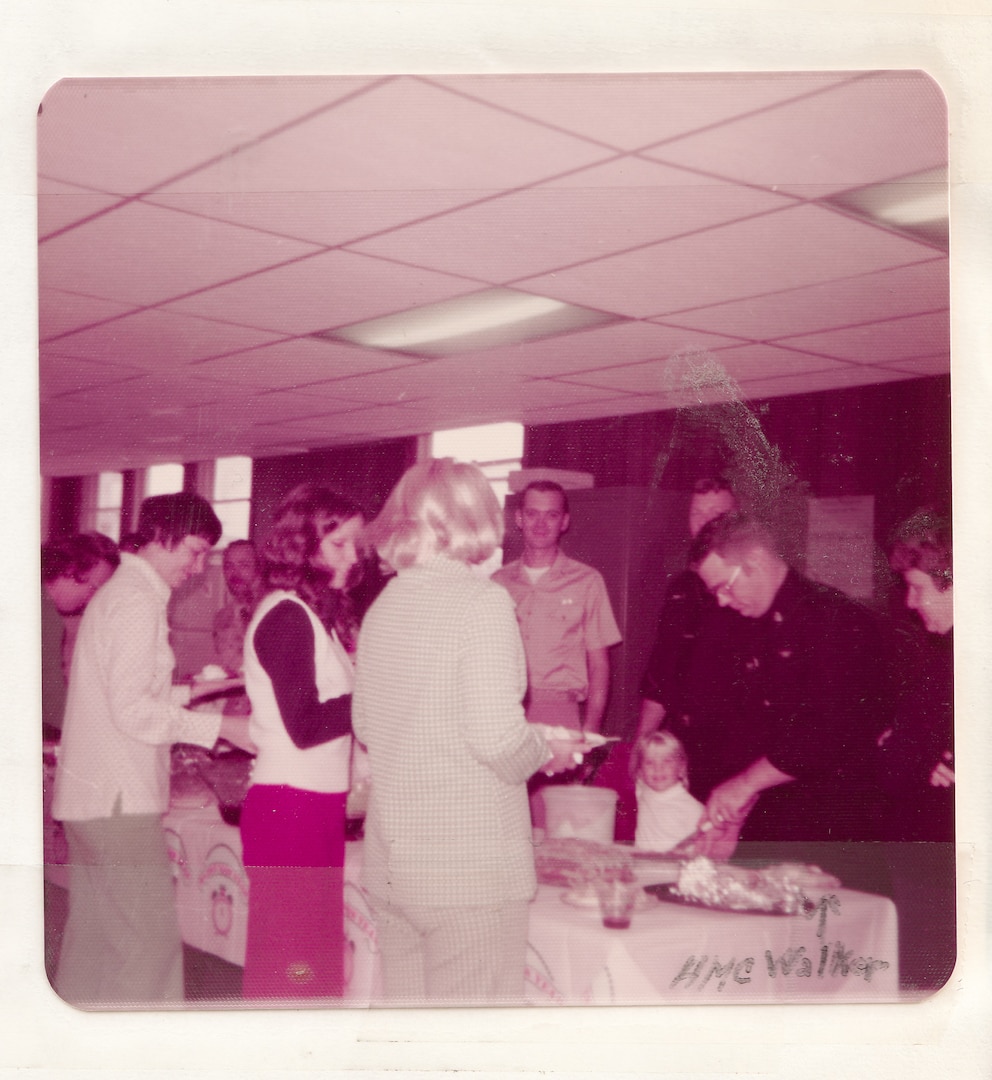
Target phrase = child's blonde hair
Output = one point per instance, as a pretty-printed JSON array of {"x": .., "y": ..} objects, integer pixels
[{"x": 670, "y": 743}]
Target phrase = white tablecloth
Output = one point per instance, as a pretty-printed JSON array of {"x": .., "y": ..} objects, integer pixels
[
  {"x": 212, "y": 897},
  {"x": 846, "y": 950}
]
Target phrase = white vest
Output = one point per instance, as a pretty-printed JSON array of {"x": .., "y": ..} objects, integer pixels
[{"x": 323, "y": 768}]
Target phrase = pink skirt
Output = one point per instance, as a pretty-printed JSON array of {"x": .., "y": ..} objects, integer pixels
[{"x": 293, "y": 844}]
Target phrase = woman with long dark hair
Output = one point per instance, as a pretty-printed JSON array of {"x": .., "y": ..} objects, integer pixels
[{"x": 298, "y": 674}]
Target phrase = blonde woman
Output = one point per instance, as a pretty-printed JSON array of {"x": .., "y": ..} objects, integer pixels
[{"x": 440, "y": 674}]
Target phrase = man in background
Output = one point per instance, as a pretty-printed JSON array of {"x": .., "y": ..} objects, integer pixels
[
  {"x": 566, "y": 623},
  {"x": 122, "y": 943},
  {"x": 244, "y": 584},
  {"x": 692, "y": 685},
  {"x": 72, "y": 569}
]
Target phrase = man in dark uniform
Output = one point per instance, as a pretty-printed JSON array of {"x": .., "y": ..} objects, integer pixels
[
  {"x": 812, "y": 690},
  {"x": 693, "y": 684}
]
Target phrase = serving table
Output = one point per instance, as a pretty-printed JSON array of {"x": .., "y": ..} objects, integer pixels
[
  {"x": 843, "y": 949},
  {"x": 212, "y": 897}
]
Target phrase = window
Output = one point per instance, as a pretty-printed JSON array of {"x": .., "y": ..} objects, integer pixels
[
  {"x": 232, "y": 497},
  {"x": 163, "y": 479},
  {"x": 495, "y": 448},
  {"x": 225, "y": 483},
  {"x": 102, "y": 499}
]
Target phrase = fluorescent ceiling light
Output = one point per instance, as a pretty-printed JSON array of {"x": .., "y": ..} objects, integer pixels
[
  {"x": 478, "y": 321},
  {"x": 915, "y": 204}
]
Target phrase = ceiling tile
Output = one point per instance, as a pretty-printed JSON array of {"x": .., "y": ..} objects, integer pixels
[
  {"x": 329, "y": 290},
  {"x": 540, "y": 183},
  {"x": 298, "y": 361},
  {"x": 356, "y": 425},
  {"x": 130, "y": 135},
  {"x": 748, "y": 362},
  {"x": 60, "y": 205},
  {"x": 283, "y": 405},
  {"x": 888, "y": 125},
  {"x": 924, "y": 366},
  {"x": 510, "y": 404},
  {"x": 631, "y": 111},
  {"x": 626, "y": 406},
  {"x": 858, "y": 375},
  {"x": 540, "y": 392},
  {"x": 329, "y": 218},
  {"x": 114, "y": 429},
  {"x": 61, "y": 312},
  {"x": 798, "y": 246},
  {"x": 624, "y": 342},
  {"x": 544, "y": 228},
  {"x": 260, "y": 444},
  {"x": 69, "y": 375},
  {"x": 741, "y": 362},
  {"x": 393, "y": 386},
  {"x": 629, "y": 174},
  {"x": 422, "y": 138},
  {"x": 883, "y": 342},
  {"x": 73, "y": 411},
  {"x": 63, "y": 461},
  {"x": 158, "y": 401},
  {"x": 144, "y": 254},
  {"x": 885, "y": 294},
  {"x": 158, "y": 340}
]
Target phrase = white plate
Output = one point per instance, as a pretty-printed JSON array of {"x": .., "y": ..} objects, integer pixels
[{"x": 590, "y": 738}]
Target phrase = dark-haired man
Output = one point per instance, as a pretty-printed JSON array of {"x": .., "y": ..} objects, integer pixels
[
  {"x": 243, "y": 578},
  {"x": 812, "y": 689},
  {"x": 72, "y": 569},
  {"x": 691, "y": 684},
  {"x": 121, "y": 943}
]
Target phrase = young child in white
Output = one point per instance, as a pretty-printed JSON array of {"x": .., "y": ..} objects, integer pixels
[{"x": 666, "y": 812}]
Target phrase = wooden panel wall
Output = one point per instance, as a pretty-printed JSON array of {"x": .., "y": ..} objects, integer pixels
[
  {"x": 366, "y": 473},
  {"x": 891, "y": 441}
]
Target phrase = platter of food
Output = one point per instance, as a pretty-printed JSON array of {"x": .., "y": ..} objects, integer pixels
[
  {"x": 669, "y": 893},
  {"x": 784, "y": 889},
  {"x": 572, "y": 861}
]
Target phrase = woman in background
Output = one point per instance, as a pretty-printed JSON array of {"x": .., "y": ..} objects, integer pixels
[
  {"x": 448, "y": 859},
  {"x": 299, "y": 674}
]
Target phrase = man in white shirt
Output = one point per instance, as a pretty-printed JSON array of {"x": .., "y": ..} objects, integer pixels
[{"x": 121, "y": 944}]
